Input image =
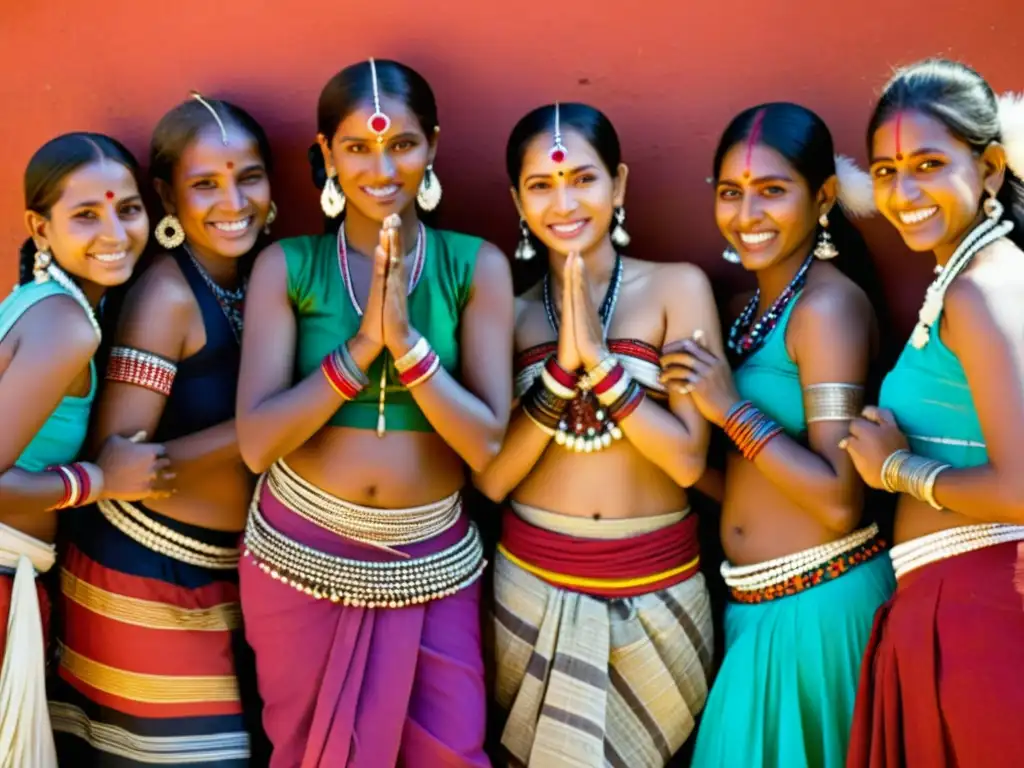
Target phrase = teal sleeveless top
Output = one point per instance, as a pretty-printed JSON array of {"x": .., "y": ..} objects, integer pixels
[
  {"x": 927, "y": 391},
  {"x": 770, "y": 379},
  {"x": 62, "y": 436},
  {"x": 326, "y": 318}
]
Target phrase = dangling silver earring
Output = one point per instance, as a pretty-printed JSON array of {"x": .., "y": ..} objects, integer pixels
[
  {"x": 332, "y": 199},
  {"x": 169, "y": 232},
  {"x": 730, "y": 255},
  {"x": 525, "y": 250},
  {"x": 825, "y": 249},
  {"x": 271, "y": 217},
  {"x": 992, "y": 208},
  {"x": 619, "y": 235},
  {"x": 429, "y": 193},
  {"x": 41, "y": 266}
]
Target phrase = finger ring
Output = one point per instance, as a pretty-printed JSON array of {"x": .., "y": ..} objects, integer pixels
[{"x": 394, "y": 261}]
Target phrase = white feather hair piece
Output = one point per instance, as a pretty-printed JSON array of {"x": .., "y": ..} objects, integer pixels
[
  {"x": 854, "y": 192},
  {"x": 1011, "y": 127}
]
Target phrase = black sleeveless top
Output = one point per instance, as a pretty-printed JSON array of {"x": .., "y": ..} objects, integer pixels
[{"x": 205, "y": 386}]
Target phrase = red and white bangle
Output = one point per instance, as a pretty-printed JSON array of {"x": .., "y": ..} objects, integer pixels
[
  {"x": 143, "y": 369},
  {"x": 77, "y": 485},
  {"x": 559, "y": 382},
  {"x": 343, "y": 374},
  {"x": 613, "y": 386},
  {"x": 418, "y": 364}
]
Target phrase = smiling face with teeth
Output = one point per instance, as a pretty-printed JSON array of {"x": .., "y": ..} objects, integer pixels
[
  {"x": 568, "y": 205},
  {"x": 763, "y": 207},
  {"x": 98, "y": 227},
  {"x": 219, "y": 192},
  {"x": 379, "y": 178},
  {"x": 928, "y": 183}
]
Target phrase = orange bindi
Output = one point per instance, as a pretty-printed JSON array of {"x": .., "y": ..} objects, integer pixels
[{"x": 231, "y": 165}]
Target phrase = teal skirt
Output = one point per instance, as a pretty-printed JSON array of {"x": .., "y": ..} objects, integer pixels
[{"x": 785, "y": 693}]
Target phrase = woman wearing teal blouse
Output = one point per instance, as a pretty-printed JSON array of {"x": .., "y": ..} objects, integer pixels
[
  {"x": 943, "y": 678},
  {"x": 804, "y": 579},
  {"x": 376, "y": 365},
  {"x": 87, "y": 228}
]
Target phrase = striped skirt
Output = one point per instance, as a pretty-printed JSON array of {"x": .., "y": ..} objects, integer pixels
[
  {"x": 146, "y": 645},
  {"x": 592, "y": 680}
]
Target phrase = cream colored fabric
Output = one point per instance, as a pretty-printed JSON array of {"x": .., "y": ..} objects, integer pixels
[
  {"x": 588, "y": 528},
  {"x": 26, "y": 738}
]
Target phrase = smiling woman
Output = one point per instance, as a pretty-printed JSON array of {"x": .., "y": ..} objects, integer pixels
[
  {"x": 87, "y": 228},
  {"x": 375, "y": 368},
  {"x": 173, "y": 373}
]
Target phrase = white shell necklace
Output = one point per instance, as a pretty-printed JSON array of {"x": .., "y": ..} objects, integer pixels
[{"x": 981, "y": 236}]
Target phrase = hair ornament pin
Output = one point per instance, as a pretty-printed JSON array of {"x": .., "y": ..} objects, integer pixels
[
  {"x": 557, "y": 152},
  {"x": 223, "y": 128},
  {"x": 378, "y": 122}
]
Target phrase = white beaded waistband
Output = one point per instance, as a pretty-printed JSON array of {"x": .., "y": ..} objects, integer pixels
[
  {"x": 363, "y": 583},
  {"x": 144, "y": 530},
  {"x": 373, "y": 526},
  {"x": 772, "y": 572},
  {"x": 941, "y": 545}
]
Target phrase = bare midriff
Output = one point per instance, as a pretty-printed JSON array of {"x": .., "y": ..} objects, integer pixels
[
  {"x": 218, "y": 499},
  {"x": 761, "y": 523},
  {"x": 396, "y": 471},
  {"x": 615, "y": 483},
  {"x": 39, "y": 525},
  {"x": 917, "y": 518}
]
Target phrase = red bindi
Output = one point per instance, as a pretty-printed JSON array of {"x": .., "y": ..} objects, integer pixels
[
  {"x": 110, "y": 195},
  {"x": 755, "y": 134},
  {"x": 230, "y": 165}
]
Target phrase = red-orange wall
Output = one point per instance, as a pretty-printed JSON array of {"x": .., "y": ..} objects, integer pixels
[{"x": 670, "y": 73}]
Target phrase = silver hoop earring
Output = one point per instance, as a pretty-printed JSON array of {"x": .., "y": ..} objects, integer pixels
[
  {"x": 993, "y": 208},
  {"x": 271, "y": 217},
  {"x": 730, "y": 255},
  {"x": 525, "y": 250},
  {"x": 429, "y": 193},
  {"x": 169, "y": 232},
  {"x": 619, "y": 235},
  {"x": 332, "y": 199},
  {"x": 825, "y": 249}
]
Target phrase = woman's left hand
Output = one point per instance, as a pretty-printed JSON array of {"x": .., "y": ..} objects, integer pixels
[
  {"x": 873, "y": 438},
  {"x": 586, "y": 322},
  {"x": 690, "y": 368},
  {"x": 398, "y": 335}
]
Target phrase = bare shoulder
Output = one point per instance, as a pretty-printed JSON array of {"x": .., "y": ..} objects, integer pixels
[
  {"x": 59, "y": 325},
  {"x": 677, "y": 281},
  {"x": 833, "y": 298},
  {"x": 271, "y": 266},
  {"x": 161, "y": 285},
  {"x": 990, "y": 291},
  {"x": 492, "y": 265}
]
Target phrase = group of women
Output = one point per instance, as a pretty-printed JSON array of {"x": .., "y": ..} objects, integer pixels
[{"x": 258, "y": 513}]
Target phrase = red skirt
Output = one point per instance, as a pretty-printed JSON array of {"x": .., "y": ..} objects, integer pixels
[
  {"x": 6, "y": 585},
  {"x": 942, "y": 682}
]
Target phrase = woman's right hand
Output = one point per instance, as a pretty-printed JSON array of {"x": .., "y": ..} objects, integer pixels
[
  {"x": 568, "y": 352},
  {"x": 371, "y": 329},
  {"x": 134, "y": 470}
]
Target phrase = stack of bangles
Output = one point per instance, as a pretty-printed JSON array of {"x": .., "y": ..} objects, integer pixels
[
  {"x": 548, "y": 400},
  {"x": 343, "y": 374},
  {"x": 749, "y": 429},
  {"x": 905, "y": 472},
  {"x": 77, "y": 485},
  {"x": 417, "y": 365}
]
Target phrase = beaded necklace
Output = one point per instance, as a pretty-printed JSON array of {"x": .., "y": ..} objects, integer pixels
[
  {"x": 418, "y": 261},
  {"x": 585, "y": 427},
  {"x": 231, "y": 303},
  {"x": 746, "y": 336}
]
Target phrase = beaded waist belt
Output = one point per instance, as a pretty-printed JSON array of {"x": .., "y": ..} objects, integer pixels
[
  {"x": 794, "y": 573},
  {"x": 153, "y": 535},
  {"x": 381, "y": 528},
  {"x": 913, "y": 554},
  {"x": 363, "y": 583}
]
